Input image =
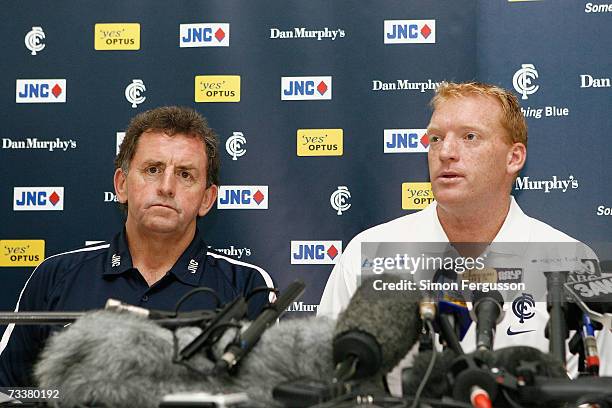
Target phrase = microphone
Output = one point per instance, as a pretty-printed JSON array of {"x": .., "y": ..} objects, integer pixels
[
  {"x": 248, "y": 338},
  {"x": 484, "y": 371},
  {"x": 377, "y": 328},
  {"x": 92, "y": 358},
  {"x": 591, "y": 355},
  {"x": 487, "y": 312},
  {"x": 453, "y": 319},
  {"x": 556, "y": 329}
]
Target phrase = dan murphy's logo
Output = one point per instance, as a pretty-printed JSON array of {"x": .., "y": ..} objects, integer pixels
[
  {"x": 315, "y": 252},
  {"x": 21, "y": 252},
  {"x": 303, "y": 32},
  {"x": 116, "y": 36},
  {"x": 217, "y": 88},
  {"x": 242, "y": 198},
  {"x": 204, "y": 35},
  {"x": 555, "y": 183},
  {"x": 410, "y": 32},
  {"x": 406, "y": 141},
  {"x": 38, "y": 198},
  {"x": 40, "y": 91},
  {"x": 306, "y": 88}
]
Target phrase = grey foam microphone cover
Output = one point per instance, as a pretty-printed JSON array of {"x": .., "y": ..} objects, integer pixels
[
  {"x": 390, "y": 316},
  {"x": 109, "y": 359}
]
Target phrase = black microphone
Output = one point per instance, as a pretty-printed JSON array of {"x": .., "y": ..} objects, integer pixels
[
  {"x": 453, "y": 317},
  {"x": 248, "y": 338},
  {"x": 377, "y": 328},
  {"x": 487, "y": 312},
  {"x": 556, "y": 304},
  {"x": 232, "y": 311}
]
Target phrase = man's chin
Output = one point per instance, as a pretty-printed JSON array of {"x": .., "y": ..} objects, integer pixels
[
  {"x": 447, "y": 197},
  {"x": 162, "y": 226}
]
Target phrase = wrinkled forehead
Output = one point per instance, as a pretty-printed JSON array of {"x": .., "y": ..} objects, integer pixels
[{"x": 159, "y": 143}]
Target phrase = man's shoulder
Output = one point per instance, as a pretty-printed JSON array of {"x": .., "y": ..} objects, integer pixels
[
  {"x": 543, "y": 232},
  {"x": 404, "y": 228},
  {"x": 236, "y": 268},
  {"x": 69, "y": 259}
]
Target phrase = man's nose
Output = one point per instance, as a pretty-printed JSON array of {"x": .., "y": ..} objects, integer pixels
[
  {"x": 167, "y": 185},
  {"x": 449, "y": 149}
]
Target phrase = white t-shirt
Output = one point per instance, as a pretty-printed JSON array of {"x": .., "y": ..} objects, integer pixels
[{"x": 515, "y": 328}]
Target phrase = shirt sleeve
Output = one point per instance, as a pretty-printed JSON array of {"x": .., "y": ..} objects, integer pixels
[
  {"x": 21, "y": 344},
  {"x": 342, "y": 282}
]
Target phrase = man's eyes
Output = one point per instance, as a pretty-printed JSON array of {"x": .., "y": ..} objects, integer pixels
[
  {"x": 468, "y": 136},
  {"x": 157, "y": 170},
  {"x": 152, "y": 170}
]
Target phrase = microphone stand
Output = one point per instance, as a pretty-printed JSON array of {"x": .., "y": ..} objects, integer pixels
[{"x": 34, "y": 318}]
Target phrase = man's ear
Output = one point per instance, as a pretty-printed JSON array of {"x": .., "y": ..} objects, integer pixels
[
  {"x": 210, "y": 196},
  {"x": 120, "y": 181},
  {"x": 516, "y": 158}
]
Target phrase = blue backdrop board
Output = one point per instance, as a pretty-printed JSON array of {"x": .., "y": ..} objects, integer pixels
[{"x": 320, "y": 108}]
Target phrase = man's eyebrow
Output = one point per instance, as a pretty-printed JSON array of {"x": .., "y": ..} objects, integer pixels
[
  {"x": 474, "y": 126},
  {"x": 186, "y": 167},
  {"x": 152, "y": 162}
]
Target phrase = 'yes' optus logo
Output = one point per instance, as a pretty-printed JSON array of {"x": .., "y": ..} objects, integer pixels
[
  {"x": 116, "y": 36},
  {"x": 40, "y": 91},
  {"x": 416, "y": 196},
  {"x": 217, "y": 88},
  {"x": 21, "y": 252},
  {"x": 406, "y": 141},
  {"x": 410, "y": 32},
  {"x": 38, "y": 198},
  {"x": 315, "y": 252},
  {"x": 242, "y": 198},
  {"x": 306, "y": 88},
  {"x": 204, "y": 35},
  {"x": 320, "y": 142}
]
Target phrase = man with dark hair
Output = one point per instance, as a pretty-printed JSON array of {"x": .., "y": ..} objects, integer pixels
[{"x": 166, "y": 176}]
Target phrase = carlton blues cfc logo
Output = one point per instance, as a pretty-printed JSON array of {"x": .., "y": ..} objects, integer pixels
[{"x": 523, "y": 307}]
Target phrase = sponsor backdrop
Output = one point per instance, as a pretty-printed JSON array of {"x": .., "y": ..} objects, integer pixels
[{"x": 320, "y": 108}]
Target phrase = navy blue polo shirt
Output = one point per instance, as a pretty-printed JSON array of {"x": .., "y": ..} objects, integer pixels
[{"x": 85, "y": 278}]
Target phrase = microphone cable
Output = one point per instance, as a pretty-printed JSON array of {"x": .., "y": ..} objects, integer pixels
[{"x": 432, "y": 362}]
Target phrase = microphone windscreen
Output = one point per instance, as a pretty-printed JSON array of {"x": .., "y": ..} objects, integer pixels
[
  {"x": 390, "y": 316},
  {"x": 438, "y": 385},
  {"x": 294, "y": 349},
  {"x": 117, "y": 359},
  {"x": 106, "y": 358},
  {"x": 509, "y": 358}
]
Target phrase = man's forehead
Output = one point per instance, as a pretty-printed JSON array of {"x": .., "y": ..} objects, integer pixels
[
  {"x": 487, "y": 107},
  {"x": 156, "y": 143}
]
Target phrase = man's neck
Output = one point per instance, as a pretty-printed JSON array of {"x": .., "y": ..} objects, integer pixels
[
  {"x": 154, "y": 254},
  {"x": 473, "y": 224}
]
